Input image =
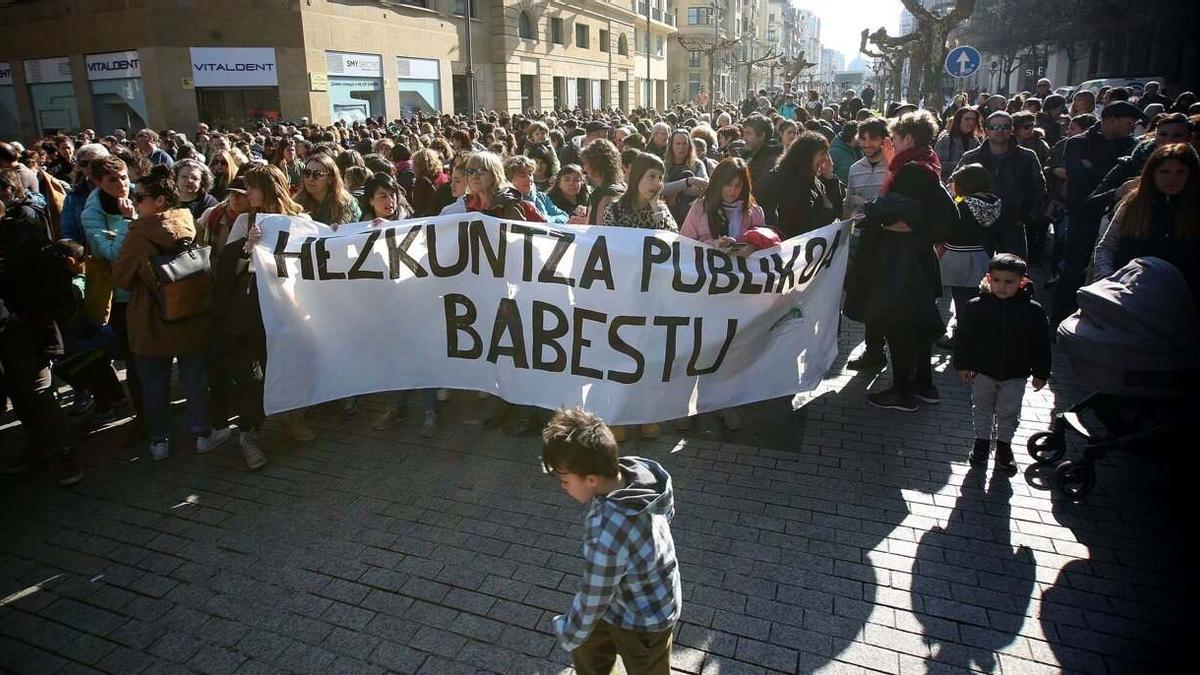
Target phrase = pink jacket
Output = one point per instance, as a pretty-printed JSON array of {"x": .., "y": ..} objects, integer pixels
[{"x": 695, "y": 225}]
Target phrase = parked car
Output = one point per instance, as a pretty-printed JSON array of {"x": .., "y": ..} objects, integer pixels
[{"x": 1135, "y": 83}]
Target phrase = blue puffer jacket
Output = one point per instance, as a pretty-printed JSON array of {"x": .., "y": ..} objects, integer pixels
[
  {"x": 71, "y": 222},
  {"x": 95, "y": 222}
]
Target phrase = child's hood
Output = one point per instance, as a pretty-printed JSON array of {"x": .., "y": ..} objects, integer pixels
[
  {"x": 648, "y": 488},
  {"x": 984, "y": 207}
]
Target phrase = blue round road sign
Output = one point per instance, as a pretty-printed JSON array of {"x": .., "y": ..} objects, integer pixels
[{"x": 962, "y": 61}]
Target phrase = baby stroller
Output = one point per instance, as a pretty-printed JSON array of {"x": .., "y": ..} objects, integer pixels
[{"x": 1135, "y": 341}]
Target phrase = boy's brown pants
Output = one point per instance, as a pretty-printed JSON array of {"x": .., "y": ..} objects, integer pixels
[{"x": 642, "y": 652}]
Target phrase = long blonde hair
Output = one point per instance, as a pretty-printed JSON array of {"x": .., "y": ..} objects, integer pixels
[{"x": 271, "y": 180}]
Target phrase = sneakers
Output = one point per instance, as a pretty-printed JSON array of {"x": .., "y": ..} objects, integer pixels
[
  {"x": 429, "y": 427},
  {"x": 215, "y": 439},
  {"x": 82, "y": 405},
  {"x": 868, "y": 362},
  {"x": 160, "y": 450},
  {"x": 390, "y": 416},
  {"x": 731, "y": 419},
  {"x": 979, "y": 452},
  {"x": 297, "y": 428},
  {"x": 66, "y": 471},
  {"x": 255, "y": 459},
  {"x": 928, "y": 394},
  {"x": 1004, "y": 458},
  {"x": 890, "y": 400},
  {"x": 649, "y": 432}
]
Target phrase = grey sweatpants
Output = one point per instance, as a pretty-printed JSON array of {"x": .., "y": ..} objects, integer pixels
[{"x": 999, "y": 400}]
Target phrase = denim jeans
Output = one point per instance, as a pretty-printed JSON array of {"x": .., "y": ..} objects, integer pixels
[{"x": 155, "y": 372}]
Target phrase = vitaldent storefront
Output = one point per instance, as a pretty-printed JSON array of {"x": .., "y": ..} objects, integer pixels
[
  {"x": 10, "y": 121},
  {"x": 355, "y": 86},
  {"x": 234, "y": 84},
  {"x": 118, "y": 96},
  {"x": 52, "y": 93}
]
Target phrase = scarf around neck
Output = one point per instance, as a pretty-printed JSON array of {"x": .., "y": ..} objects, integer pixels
[{"x": 923, "y": 156}]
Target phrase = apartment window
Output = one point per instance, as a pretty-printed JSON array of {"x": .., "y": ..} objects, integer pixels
[
  {"x": 460, "y": 7},
  {"x": 581, "y": 36},
  {"x": 660, "y": 45},
  {"x": 525, "y": 27},
  {"x": 623, "y": 45},
  {"x": 415, "y": 3},
  {"x": 556, "y": 31},
  {"x": 694, "y": 59},
  {"x": 699, "y": 16},
  {"x": 603, "y": 40}
]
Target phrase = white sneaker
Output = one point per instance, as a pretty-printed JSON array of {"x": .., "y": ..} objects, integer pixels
[
  {"x": 215, "y": 439},
  {"x": 429, "y": 427},
  {"x": 160, "y": 450},
  {"x": 255, "y": 459},
  {"x": 443, "y": 395}
]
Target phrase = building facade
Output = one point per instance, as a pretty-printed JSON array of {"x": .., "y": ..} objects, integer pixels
[{"x": 102, "y": 64}]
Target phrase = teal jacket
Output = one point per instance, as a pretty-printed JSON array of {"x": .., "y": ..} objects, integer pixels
[
  {"x": 95, "y": 222},
  {"x": 546, "y": 207},
  {"x": 843, "y": 156}
]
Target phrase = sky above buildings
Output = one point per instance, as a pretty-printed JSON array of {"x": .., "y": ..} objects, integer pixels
[{"x": 842, "y": 21}]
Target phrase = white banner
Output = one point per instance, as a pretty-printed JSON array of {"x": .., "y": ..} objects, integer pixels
[
  {"x": 114, "y": 65},
  {"x": 636, "y": 325},
  {"x": 234, "y": 67}
]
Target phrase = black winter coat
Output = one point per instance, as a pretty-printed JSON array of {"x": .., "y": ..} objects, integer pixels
[
  {"x": 35, "y": 281},
  {"x": 793, "y": 208},
  {"x": 1003, "y": 339},
  {"x": 1017, "y": 179},
  {"x": 761, "y": 164}
]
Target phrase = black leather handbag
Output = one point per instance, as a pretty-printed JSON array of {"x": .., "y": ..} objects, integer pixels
[{"x": 183, "y": 282}]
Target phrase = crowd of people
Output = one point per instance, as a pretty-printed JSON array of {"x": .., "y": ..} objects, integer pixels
[{"x": 963, "y": 199}]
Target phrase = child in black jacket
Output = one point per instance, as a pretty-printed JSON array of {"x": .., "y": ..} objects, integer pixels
[{"x": 1003, "y": 337}]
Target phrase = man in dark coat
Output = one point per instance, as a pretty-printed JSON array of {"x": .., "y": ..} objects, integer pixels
[
  {"x": 762, "y": 151},
  {"x": 1089, "y": 157},
  {"x": 1017, "y": 180},
  {"x": 35, "y": 288}
]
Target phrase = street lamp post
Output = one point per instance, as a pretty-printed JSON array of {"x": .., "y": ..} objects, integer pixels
[
  {"x": 649, "y": 82},
  {"x": 470, "y": 61}
]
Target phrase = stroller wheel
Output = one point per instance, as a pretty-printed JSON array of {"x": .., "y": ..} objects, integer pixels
[
  {"x": 1075, "y": 479},
  {"x": 1046, "y": 447}
]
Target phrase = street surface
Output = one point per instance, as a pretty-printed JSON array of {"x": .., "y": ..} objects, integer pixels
[{"x": 840, "y": 539}]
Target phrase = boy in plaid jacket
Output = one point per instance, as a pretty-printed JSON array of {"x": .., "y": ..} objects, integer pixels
[{"x": 629, "y": 598}]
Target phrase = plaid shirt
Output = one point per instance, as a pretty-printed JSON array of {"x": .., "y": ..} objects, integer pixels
[{"x": 630, "y": 575}]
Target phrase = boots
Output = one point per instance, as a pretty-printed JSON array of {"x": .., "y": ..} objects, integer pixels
[
  {"x": 1004, "y": 458},
  {"x": 979, "y": 452}
]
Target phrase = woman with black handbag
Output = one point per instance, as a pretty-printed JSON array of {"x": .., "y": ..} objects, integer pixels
[{"x": 163, "y": 327}]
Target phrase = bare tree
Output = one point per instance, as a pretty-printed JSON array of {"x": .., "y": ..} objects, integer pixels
[{"x": 932, "y": 53}]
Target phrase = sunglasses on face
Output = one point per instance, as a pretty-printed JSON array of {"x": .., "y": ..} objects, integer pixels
[
  {"x": 999, "y": 127},
  {"x": 314, "y": 173}
]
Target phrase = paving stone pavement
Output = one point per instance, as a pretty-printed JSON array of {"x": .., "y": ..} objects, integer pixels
[{"x": 839, "y": 539}]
